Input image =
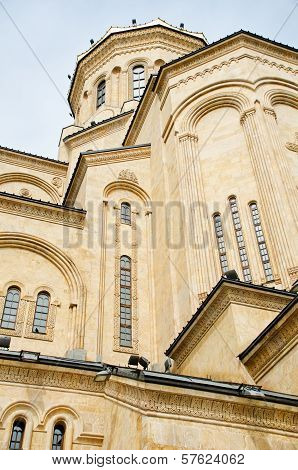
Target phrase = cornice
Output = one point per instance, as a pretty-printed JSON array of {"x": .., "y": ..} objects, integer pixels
[
  {"x": 275, "y": 344},
  {"x": 216, "y": 50},
  {"x": 155, "y": 400},
  {"x": 33, "y": 209},
  {"x": 200, "y": 406},
  {"x": 210, "y": 314},
  {"x": 98, "y": 131},
  {"x": 224, "y": 46},
  {"x": 161, "y": 85},
  {"x": 34, "y": 162},
  {"x": 131, "y": 41},
  {"x": 102, "y": 158},
  {"x": 49, "y": 377}
]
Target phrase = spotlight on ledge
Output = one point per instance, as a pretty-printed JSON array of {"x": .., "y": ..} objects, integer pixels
[
  {"x": 103, "y": 375},
  {"x": 134, "y": 22},
  {"x": 232, "y": 275},
  {"x": 29, "y": 356},
  {"x": 5, "y": 342},
  {"x": 136, "y": 360},
  {"x": 91, "y": 41},
  {"x": 182, "y": 25}
]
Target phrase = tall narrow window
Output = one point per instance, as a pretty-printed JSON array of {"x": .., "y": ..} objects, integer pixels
[
  {"x": 58, "y": 436},
  {"x": 17, "y": 434},
  {"x": 220, "y": 243},
  {"x": 125, "y": 213},
  {"x": 41, "y": 313},
  {"x": 101, "y": 93},
  {"x": 10, "y": 310},
  {"x": 261, "y": 241},
  {"x": 138, "y": 80},
  {"x": 125, "y": 302},
  {"x": 240, "y": 239}
]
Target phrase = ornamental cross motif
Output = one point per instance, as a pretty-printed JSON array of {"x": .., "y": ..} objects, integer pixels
[{"x": 128, "y": 175}]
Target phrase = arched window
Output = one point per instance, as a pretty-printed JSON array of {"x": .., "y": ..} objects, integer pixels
[
  {"x": 125, "y": 213},
  {"x": 125, "y": 302},
  {"x": 261, "y": 241},
  {"x": 58, "y": 436},
  {"x": 220, "y": 243},
  {"x": 17, "y": 434},
  {"x": 240, "y": 239},
  {"x": 138, "y": 81},
  {"x": 101, "y": 93},
  {"x": 41, "y": 313},
  {"x": 10, "y": 310}
]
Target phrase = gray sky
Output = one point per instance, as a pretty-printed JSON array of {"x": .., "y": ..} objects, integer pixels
[{"x": 33, "y": 111}]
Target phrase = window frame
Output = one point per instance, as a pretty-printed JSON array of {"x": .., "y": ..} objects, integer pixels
[
  {"x": 41, "y": 319},
  {"x": 125, "y": 218},
  {"x": 102, "y": 93},
  {"x": 221, "y": 246},
  {"x": 62, "y": 424},
  {"x": 3, "y": 320},
  {"x": 22, "y": 420},
  {"x": 260, "y": 237},
  {"x": 125, "y": 312},
  {"x": 133, "y": 80},
  {"x": 242, "y": 251}
]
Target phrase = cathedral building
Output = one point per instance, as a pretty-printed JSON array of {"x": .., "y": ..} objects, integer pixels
[{"x": 148, "y": 287}]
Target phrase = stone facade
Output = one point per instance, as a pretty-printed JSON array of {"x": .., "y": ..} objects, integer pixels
[{"x": 212, "y": 140}]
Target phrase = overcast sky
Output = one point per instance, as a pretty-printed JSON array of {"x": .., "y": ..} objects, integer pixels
[{"x": 33, "y": 109}]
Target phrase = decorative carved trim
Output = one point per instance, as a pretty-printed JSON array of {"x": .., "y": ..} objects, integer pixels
[
  {"x": 234, "y": 411},
  {"x": 293, "y": 273},
  {"x": 19, "y": 320},
  {"x": 27, "y": 161},
  {"x": 135, "y": 41},
  {"x": 36, "y": 210},
  {"x": 24, "y": 192},
  {"x": 103, "y": 158},
  {"x": 152, "y": 399},
  {"x": 213, "y": 53},
  {"x": 215, "y": 309},
  {"x": 273, "y": 347},
  {"x": 246, "y": 114},
  {"x": 49, "y": 335},
  {"x": 49, "y": 378},
  {"x": 134, "y": 315},
  {"x": 97, "y": 132},
  {"x": 14, "y": 177},
  {"x": 128, "y": 175},
  {"x": 293, "y": 146}
]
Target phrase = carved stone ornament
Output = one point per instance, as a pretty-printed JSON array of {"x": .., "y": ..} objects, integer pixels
[
  {"x": 57, "y": 182},
  {"x": 293, "y": 146},
  {"x": 128, "y": 175},
  {"x": 25, "y": 192}
]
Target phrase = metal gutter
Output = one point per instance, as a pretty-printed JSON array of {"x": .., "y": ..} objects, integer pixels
[{"x": 159, "y": 378}]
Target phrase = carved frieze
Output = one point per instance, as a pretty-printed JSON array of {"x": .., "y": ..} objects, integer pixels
[{"x": 47, "y": 212}]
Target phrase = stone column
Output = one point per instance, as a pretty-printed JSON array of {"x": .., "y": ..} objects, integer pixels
[
  {"x": 198, "y": 248},
  {"x": 102, "y": 277},
  {"x": 281, "y": 162},
  {"x": 251, "y": 121}
]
